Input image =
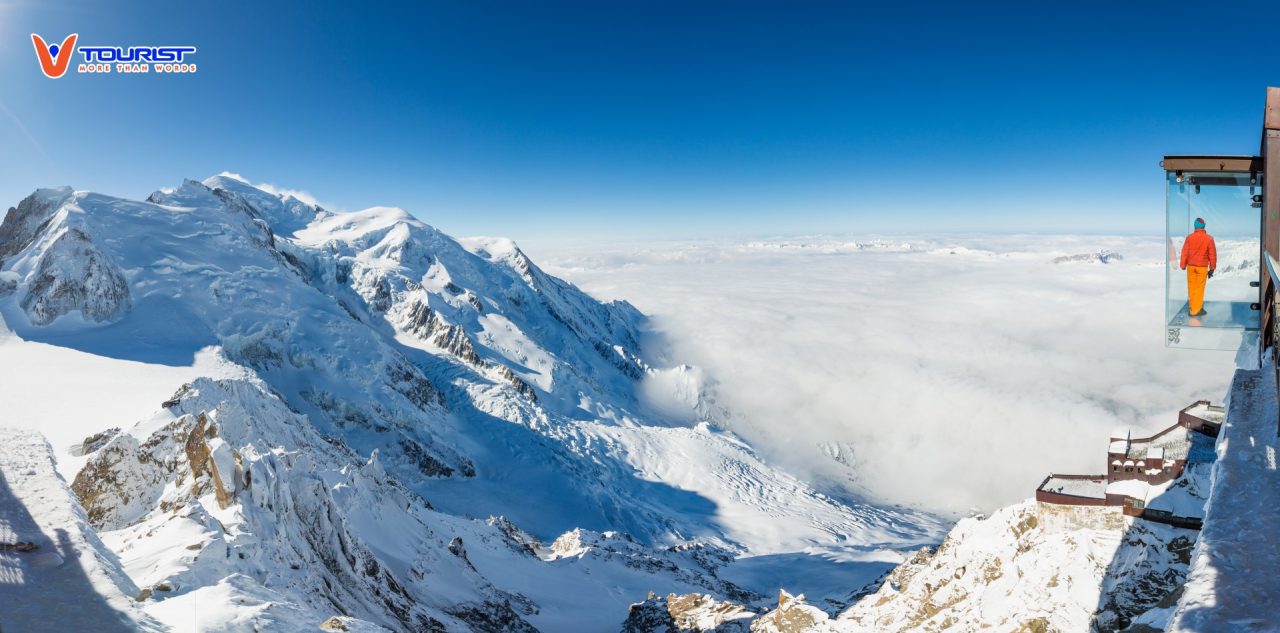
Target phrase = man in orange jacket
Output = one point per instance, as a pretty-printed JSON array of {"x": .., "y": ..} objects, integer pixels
[{"x": 1199, "y": 259}]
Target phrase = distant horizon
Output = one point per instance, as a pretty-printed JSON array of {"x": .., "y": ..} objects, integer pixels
[
  {"x": 632, "y": 238},
  {"x": 882, "y": 233}
]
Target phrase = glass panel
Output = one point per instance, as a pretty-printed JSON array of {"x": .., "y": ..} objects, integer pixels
[{"x": 1225, "y": 318}]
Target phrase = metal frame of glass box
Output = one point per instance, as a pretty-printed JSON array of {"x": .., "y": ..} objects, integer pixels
[
  {"x": 1234, "y": 328},
  {"x": 1221, "y": 190},
  {"x": 1270, "y": 279}
]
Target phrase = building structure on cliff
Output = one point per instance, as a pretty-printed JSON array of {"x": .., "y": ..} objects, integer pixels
[{"x": 1146, "y": 476}]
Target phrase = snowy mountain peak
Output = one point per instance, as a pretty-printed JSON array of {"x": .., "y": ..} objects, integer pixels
[
  {"x": 358, "y": 390},
  {"x": 284, "y": 213}
]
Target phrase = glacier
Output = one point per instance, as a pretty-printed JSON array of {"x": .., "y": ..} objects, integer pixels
[{"x": 278, "y": 416}]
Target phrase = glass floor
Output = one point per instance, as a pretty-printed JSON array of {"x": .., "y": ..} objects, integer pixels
[{"x": 1218, "y": 314}]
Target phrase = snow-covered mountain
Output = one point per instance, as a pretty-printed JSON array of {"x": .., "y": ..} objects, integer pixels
[
  {"x": 1015, "y": 571},
  {"x": 1024, "y": 568},
  {"x": 357, "y": 420}
]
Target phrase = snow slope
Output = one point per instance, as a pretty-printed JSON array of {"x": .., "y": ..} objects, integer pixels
[
  {"x": 50, "y": 555},
  {"x": 281, "y": 414},
  {"x": 108, "y": 392}
]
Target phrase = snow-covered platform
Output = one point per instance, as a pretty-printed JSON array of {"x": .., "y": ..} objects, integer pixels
[
  {"x": 1086, "y": 487},
  {"x": 1203, "y": 416},
  {"x": 55, "y": 574},
  {"x": 1233, "y": 585}
]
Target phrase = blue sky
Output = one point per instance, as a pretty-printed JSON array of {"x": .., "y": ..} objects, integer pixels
[{"x": 654, "y": 119}]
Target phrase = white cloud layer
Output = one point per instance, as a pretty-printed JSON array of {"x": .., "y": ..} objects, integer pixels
[{"x": 944, "y": 374}]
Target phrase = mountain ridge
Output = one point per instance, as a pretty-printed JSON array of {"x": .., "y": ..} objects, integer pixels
[{"x": 366, "y": 353}]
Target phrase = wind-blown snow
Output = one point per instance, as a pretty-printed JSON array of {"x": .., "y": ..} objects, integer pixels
[
  {"x": 298, "y": 194},
  {"x": 929, "y": 371}
]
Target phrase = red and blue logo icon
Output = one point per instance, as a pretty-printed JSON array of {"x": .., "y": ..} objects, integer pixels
[{"x": 54, "y": 58}]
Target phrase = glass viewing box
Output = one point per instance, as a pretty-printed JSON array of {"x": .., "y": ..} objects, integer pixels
[{"x": 1226, "y": 201}]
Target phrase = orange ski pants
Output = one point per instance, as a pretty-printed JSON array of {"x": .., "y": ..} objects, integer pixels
[{"x": 1196, "y": 278}]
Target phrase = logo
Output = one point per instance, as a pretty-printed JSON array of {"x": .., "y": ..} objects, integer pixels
[{"x": 55, "y": 59}]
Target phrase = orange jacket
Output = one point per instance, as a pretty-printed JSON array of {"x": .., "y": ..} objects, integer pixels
[{"x": 1199, "y": 250}]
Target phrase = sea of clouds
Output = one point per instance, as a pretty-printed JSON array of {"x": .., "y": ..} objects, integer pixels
[{"x": 948, "y": 374}]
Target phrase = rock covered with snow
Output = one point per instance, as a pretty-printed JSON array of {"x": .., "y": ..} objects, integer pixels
[
  {"x": 244, "y": 488},
  {"x": 1101, "y": 256},
  {"x": 66, "y": 272},
  {"x": 1008, "y": 573},
  {"x": 694, "y": 563},
  {"x": 793, "y": 615},
  {"x": 691, "y": 613}
]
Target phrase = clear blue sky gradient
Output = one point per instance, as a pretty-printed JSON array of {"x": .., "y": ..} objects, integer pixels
[{"x": 655, "y": 119}]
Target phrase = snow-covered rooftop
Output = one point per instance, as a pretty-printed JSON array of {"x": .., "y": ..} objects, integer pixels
[
  {"x": 1120, "y": 433},
  {"x": 1172, "y": 445},
  {"x": 1129, "y": 488},
  {"x": 1091, "y": 488},
  {"x": 1209, "y": 412}
]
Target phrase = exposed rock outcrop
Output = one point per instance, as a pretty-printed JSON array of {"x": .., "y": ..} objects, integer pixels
[
  {"x": 274, "y": 504},
  {"x": 680, "y": 561},
  {"x": 95, "y": 441},
  {"x": 521, "y": 386},
  {"x": 73, "y": 275},
  {"x": 1080, "y": 579},
  {"x": 689, "y": 613},
  {"x": 791, "y": 616},
  {"x": 210, "y": 461},
  {"x": 25, "y": 222},
  {"x": 1102, "y": 256},
  {"x": 426, "y": 324},
  {"x": 123, "y": 479}
]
